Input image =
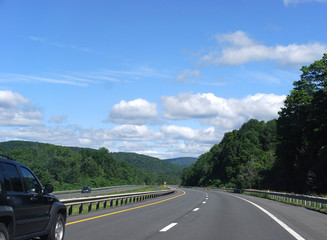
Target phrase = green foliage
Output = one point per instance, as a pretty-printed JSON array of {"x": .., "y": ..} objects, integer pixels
[
  {"x": 158, "y": 170},
  {"x": 303, "y": 133},
  {"x": 242, "y": 159},
  {"x": 73, "y": 168},
  {"x": 182, "y": 161}
]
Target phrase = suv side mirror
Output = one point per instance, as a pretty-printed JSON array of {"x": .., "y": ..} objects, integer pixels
[{"x": 48, "y": 189}]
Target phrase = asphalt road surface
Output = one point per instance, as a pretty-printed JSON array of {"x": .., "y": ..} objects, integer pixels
[{"x": 196, "y": 214}]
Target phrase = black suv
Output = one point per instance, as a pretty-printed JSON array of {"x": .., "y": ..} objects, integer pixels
[{"x": 28, "y": 210}]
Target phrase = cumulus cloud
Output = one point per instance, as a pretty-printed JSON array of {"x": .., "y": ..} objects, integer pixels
[
  {"x": 131, "y": 132},
  {"x": 221, "y": 112},
  {"x": 137, "y": 112},
  {"x": 238, "y": 48},
  {"x": 186, "y": 133},
  {"x": 187, "y": 105},
  {"x": 17, "y": 110},
  {"x": 164, "y": 141}
]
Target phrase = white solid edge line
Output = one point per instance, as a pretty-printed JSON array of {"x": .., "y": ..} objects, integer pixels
[
  {"x": 165, "y": 229},
  {"x": 287, "y": 228}
]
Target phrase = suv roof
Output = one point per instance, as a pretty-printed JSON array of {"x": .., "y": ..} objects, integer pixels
[{"x": 7, "y": 157}]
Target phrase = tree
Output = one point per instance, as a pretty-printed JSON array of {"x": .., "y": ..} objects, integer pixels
[
  {"x": 302, "y": 130},
  {"x": 242, "y": 158}
]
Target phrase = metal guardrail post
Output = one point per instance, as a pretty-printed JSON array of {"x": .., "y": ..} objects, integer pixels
[
  {"x": 303, "y": 200},
  {"x": 114, "y": 200},
  {"x": 80, "y": 209},
  {"x": 70, "y": 210}
]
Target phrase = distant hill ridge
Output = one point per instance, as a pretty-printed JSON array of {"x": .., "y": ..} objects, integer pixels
[
  {"x": 156, "y": 170},
  {"x": 182, "y": 161}
]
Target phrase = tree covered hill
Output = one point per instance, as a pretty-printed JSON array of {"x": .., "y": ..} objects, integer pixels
[
  {"x": 182, "y": 161},
  {"x": 164, "y": 171},
  {"x": 72, "y": 167},
  {"x": 240, "y": 160}
]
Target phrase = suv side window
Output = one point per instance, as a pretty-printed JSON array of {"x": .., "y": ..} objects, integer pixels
[
  {"x": 6, "y": 180},
  {"x": 15, "y": 180},
  {"x": 32, "y": 184}
]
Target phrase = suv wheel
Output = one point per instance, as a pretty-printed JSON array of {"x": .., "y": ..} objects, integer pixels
[
  {"x": 57, "y": 230},
  {"x": 3, "y": 232}
]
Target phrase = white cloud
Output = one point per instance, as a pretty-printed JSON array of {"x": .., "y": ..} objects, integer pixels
[
  {"x": 61, "y": 79},
  {"x": 187, "y": 133},
  {"x": 294, "y": 2},
  {"x": 138, "y": 111},
  {"x": 122, "y": 133},
  {"x": 221, "y": 112},
  {"x": 85, "y": 141},
  {"x": 58, "y": 119},
  {"x": 66, "y": 136},
  {"x": 187, "y": 105},
  {"x": 188, "y": 75},
  {"x": 163, "y": 141},
  {"x": 132, "y": 132},
  {"x": 17, "y": 110},
  {"x": 238, "y": 48},
  {"x": 61, "y": 45}
]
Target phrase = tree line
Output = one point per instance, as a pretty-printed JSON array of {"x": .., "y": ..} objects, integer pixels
[
  {"x": 73, "y": 168},
  {"x": 286, "y": 154}
]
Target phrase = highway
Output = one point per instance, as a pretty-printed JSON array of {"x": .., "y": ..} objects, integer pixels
[{"x": 196, "y": 214}]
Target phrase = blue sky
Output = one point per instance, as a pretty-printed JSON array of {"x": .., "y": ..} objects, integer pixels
[{"x": 161, "y": 78}]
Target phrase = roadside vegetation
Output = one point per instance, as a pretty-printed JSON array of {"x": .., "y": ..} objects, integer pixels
[
  {"x": 288, "y": 154},
  {"x": 72, "y": 168}
]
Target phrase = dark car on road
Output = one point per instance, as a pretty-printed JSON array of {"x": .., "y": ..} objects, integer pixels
[
  {"x": 27, "y": 210},
  {"x": 86, "y": 190}
]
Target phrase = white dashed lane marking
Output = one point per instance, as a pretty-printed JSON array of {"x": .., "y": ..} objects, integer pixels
[{"x": 165, "y": 229}]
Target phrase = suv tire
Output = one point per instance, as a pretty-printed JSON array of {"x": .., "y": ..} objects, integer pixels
[
  {"x": 57, "y": 231},
  {"x": 4, "y": 235}
]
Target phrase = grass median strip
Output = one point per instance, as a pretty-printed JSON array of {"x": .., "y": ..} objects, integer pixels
[{"x": 126, "y": 210}]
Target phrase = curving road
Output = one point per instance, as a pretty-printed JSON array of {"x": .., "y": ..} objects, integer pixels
[{"x": 194, "y": 214}]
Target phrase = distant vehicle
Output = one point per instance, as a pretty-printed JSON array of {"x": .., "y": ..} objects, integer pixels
[
  {"x": 27, "y": 210},
  {"x": 86, "y": 190}
]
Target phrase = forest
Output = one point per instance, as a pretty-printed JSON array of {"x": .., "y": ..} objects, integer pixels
[
  {"x": 73, "y": 168},
  {"x": 286, "y": 154}
]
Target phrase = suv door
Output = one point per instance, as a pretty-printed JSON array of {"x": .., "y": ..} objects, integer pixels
[
  {"x": 14, "y": 193},
  {"x": 39, "y": 203},
  {"x": 24, "y": 195}
]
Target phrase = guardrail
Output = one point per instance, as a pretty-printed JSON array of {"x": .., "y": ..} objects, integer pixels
[
  {"x": 318, "y": 203},
  {"x": 94, "y": 189},
  {"x": 87, "y": 204}
]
